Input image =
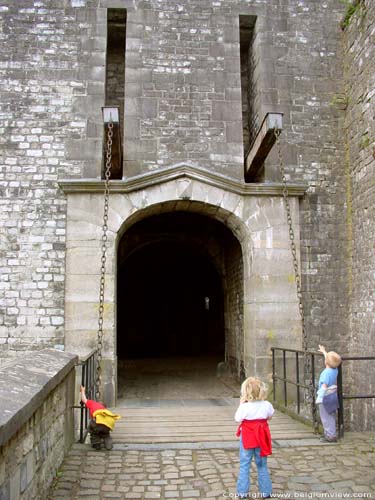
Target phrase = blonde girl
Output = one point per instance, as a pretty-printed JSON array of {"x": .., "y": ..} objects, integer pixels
[{"x": 252, "y": 415}]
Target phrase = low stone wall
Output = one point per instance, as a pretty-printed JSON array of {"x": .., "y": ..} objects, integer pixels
[{"x": 36, "y": 422}]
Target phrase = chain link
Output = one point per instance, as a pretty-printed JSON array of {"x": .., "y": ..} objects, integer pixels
[
  {"x": 310, "y": 395},
  {"x": 107, "y": 175}
]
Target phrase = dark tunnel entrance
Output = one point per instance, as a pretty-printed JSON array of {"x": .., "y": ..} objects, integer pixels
[
  {"x": 172, "y": 303},
  {"x": 173, "y": 272}
]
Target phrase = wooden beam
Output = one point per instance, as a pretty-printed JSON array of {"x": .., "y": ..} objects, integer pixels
[
  {"x": 263, "y": 143},
  {"x": 111, "y": 114},
  {"x": 116, "y": 169}
]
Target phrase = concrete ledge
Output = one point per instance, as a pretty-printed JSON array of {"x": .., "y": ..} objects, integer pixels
[{"x": 25, "y": 384}]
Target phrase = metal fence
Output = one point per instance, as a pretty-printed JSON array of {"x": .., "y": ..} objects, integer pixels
[
  {"x": 294, "y": 380},
  {"x": 88, "y": 369},
  {"x": 343, "y": 396}
]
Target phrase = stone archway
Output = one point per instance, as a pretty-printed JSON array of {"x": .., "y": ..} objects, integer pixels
[
  {"x": 179, "y": 277},
  {"x": 254, "y": 214}
]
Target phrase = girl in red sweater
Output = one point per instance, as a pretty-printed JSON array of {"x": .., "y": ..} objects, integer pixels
[{"x": 255, "y": 437}]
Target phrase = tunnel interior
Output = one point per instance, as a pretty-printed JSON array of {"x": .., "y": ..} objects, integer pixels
[
  {"x": 172, "y": 303},
  {"x": 179, "y": 293}
]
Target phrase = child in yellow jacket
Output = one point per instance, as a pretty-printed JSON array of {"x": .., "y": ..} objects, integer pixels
[{"x": 102, "y": 422}]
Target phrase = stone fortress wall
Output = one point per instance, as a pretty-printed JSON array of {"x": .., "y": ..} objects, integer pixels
[
  {"x": 36, "y": 421},
  {"x": 183, "y": 102},
  {"x": 359, "y": 133}
]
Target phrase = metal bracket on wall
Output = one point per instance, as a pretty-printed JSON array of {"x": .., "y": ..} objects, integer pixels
[
  {"x": 263, "y": 143},
  {"x": 112, "y": 114}
]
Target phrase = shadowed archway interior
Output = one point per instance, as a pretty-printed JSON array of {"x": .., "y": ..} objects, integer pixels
[
  {"x": 172, "y": 291},
  {"x": 171, "y": 303}
]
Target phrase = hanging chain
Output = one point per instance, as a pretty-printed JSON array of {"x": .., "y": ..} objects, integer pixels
[
  {"x": 107, "y": 175},
  {"x": 291, "y": 238},
  {"x": 310, "y": 395}
]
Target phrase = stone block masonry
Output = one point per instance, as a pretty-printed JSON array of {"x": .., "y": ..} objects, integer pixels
[
  {"x": 36, "y": 422},
  {"x": 255, "y": 262},
  {"x": 183, "y": 103},
  {"x": 47, "y": 78},
  {"x": 359, "y": 133},
  {"x": 186, "y": 60}
]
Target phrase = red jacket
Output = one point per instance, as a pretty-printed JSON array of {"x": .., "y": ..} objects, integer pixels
[
  {"x": 93, "y": 406},
  {"x": 256, "y": 434}
]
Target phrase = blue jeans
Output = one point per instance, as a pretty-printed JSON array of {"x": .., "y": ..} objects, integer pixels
[{"x": 264, "y": 480}]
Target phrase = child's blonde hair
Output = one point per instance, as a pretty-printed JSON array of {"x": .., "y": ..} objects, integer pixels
[
  {"x": 333, "y": 359},
  {"x": 253, "y": 389}
]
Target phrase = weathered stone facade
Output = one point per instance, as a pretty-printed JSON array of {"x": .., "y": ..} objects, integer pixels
[
  {"x": 183, "y": 103},
  {"x": 263, "y": 301},
  {"x": 359, "y": 133},
  {"x": 36, "y": 422}
]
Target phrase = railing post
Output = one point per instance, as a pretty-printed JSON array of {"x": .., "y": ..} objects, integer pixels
[
  {"x": 88, "y": 381},
  {"x": 284, "y": 375},
  {"x": 297, "y": 380},
  {"x": 313, "y": 404},
  {"x": 273, "y": 373},
  {"x": 341, "y": 403},
  {"x": 83, "y": 409}
]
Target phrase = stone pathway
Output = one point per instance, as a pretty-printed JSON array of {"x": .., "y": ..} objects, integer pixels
[
  {"x": 174, "y": 378},
  {"x": 298, "y": 470}
]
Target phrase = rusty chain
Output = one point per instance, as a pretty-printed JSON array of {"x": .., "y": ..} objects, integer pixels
[
  {"x": 107, "y": 175},
  {"x": 310, "y": 393}
]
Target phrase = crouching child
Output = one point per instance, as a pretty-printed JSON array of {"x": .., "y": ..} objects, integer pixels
[{"x": 102, "y": 422}]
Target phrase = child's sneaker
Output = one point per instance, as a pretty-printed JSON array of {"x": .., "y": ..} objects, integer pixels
[
  {"x": 326, "y": 439},
  {"x": 108, "y": 442}
]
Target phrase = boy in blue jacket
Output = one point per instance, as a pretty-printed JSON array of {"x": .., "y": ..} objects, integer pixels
[{"x": 327, "y": 398}]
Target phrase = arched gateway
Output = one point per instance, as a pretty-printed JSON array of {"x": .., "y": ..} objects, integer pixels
[{"x": 197, "y": 259}]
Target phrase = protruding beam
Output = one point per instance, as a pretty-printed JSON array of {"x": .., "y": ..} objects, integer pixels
[
  {"x": 112, "y": 114},
  {"x": 263, "y": 143}
]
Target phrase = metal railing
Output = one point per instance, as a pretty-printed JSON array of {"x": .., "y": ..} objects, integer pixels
[
  {"x": 297, "y": 382},
  {"x": 292, "y": 365},
  {"x": 88, "y": 371},
  {"x": 342, "y": 396}
]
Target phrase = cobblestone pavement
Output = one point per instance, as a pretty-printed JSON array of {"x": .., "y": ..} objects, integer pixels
[{"x": 298, "y": 470}]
